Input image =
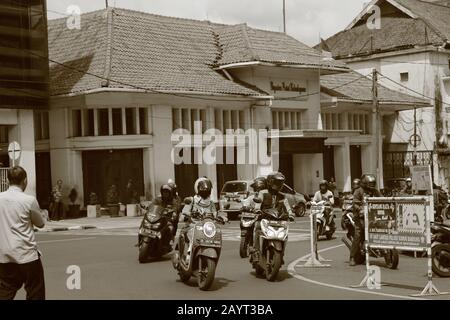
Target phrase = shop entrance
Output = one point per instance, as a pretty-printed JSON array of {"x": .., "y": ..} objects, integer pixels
[{"x": 103, "y": 168}]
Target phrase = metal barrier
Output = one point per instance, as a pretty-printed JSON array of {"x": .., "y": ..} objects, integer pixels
[{"x": 3, "y": 179}]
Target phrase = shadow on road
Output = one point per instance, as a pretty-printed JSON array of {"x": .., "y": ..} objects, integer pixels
[
  {"x": 155, "y": 260},
  {"x": 219, "y": 283},
  {"x": 282, "y": 276}
]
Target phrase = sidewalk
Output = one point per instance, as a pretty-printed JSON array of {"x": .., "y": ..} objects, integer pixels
[{"x": 104, "y": 223}]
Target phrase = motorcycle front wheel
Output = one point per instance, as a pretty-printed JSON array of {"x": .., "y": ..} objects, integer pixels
[
  {"x": 437, "y": 251},
  {"x": 273, "y": 264},
  {"x": 391, "y": 258},
  {"x": 244, "y": 246},
  {"x": 143, "y": 251},
  {"x": 206, "y": 273}
]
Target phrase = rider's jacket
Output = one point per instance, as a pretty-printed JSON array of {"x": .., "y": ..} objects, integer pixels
[
  {"x": 278, "y": 201},
  {"x": 201, "y": 206},
  {"x": 327, "y": 196},
  {"x": 249, "y": 203},
  {"x": 175, "y": 205},
  {"x": 358, "y": 199}
]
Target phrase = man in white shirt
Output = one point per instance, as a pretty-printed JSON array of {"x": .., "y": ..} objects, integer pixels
[{"x": 20, "y": 262}]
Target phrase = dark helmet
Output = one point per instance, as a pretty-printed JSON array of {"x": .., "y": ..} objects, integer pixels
[
  {"x": 174, "y": 187},
  {"x": 204, "y": 188},
  {"x": 166, "y": 193},
  {"x": 259, "y": 184},
  {"x": 356, "y": 183},
  {"x": 275, "y": 182},
  {"x": 368, "y": 181}
]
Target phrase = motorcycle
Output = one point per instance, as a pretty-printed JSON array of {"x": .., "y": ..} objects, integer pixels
[
  {"x": 273, "y": 240},
  {"x": 155, "y": 235},
  {"x": 391, "y": 257},
  {"x": 325, "y": 219},
  {"x": 440, "y": 249},
  {"x": 248, "y": 219},
  {"x": 199, "y": 256}
]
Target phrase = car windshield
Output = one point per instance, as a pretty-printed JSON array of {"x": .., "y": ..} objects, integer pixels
[{"x": 235, "y": 187}]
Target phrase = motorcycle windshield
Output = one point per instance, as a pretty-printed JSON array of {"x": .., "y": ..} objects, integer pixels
[{"x": 155, "y": 214}]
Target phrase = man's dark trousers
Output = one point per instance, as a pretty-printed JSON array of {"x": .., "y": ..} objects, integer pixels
[{"x": 13, "y": 276}]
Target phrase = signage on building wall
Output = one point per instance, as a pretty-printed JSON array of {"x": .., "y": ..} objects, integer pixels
[{"x": 287, "y": 86}]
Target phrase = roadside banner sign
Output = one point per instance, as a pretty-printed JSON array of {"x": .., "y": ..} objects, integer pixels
[
  {"x": 422, "y": 180},
  {"x": 398, "y": 222},
  {"x": 402, "y": 223}
]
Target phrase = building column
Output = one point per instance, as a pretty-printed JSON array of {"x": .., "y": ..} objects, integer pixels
[
  {"x": 347, "y": 166},
  {"x": 23, "y": 133},
  {"x": 149, "y": 173},
  {"x": 162, "y": 132}
]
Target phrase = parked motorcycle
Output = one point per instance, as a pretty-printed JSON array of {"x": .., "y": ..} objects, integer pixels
[
  {"x": 391, "y": 257},
  {"x": 273, "y": 241},
  {"x": 324, "y": 218},
  {"x": 202, "y": 258},
  {"x": 248, "y": 219},
  {"x": 440, "y": 249},
  {"x": 155, "y": 236}
]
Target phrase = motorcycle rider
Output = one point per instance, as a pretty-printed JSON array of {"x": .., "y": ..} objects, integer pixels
[
  {"x": 166, "y": 200},
  {"x": 202, "y": 198},
  {"x": 440, "y": 200},
  {"x": 407, "y": 190},
  {"x": 368, "y": 189},
  {"x": 271, "y": 199},
  {"x": 259, "y": 185},
  {"x": 356, "y": 183},
  {"x": 324, "y": 194}
]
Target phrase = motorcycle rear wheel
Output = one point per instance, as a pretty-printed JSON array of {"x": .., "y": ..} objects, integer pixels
[
  {"x": 391, "y": 258},
  {"x": 206, "y": 275},
  {"x": 273, "y": 264},
  {"x": 441, "y": 271},
  {"x": 300, "y": 210}
]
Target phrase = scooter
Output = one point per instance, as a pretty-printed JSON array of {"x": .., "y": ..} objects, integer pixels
[
  {"x": 325, "y": 219},
  {"x": 273, "y": 241},
  {"x": 248, "y": 220},
  {"x": 155, "y": 235},
  {"x": 440, "y": 249},
  {"x": 198, "y": 257},
  {"x": 391, "y": 257}
]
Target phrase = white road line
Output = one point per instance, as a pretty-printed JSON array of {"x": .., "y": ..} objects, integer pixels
[
  {"x": 65, "y": 240},
  {"x": 291, "y": 270}
]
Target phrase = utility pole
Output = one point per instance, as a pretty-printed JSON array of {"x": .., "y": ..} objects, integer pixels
[
  {"x": 284, "y": 16},
  {"x": 106, "y": 2},
  {"x": 376, "y": 124},
  {"x": 415, "y": 137}
]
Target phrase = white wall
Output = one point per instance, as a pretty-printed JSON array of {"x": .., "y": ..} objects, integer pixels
[
  {"x": 306, "y": 167},
  {"x": 23, "y": 133}
]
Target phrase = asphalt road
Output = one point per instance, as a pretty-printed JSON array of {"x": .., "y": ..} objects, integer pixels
[{"x": 110, "y": 270}]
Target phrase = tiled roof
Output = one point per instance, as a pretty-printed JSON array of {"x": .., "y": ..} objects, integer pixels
[
  {"x": 141, "y": 50},
  {"x": 241, "y": 43},
  {"x": 398, "y": 31},
  {"x": 354, "y": 86}
]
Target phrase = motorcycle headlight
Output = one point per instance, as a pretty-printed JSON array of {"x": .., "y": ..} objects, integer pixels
[
  {"x": 282, "y": 234},
  {"x": 209, "y": 229}
]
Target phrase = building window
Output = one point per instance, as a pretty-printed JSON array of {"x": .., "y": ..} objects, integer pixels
[
  {"x": 404, "y": 77},
  {"x": 287, "y": 120},
  {"x": 4, "y": 134},
  {"x": 130, "y": 117},
  {"x": 183, "y": 118},
  {"x": 103, "y": 122},
  {"x": 359, "y": 122},
  {"x": 229, "y": 119},
  {"x": 41, "y": 125},
  {"x": 117, "y": 122},
  {"x": 143, "y": 120},
  {"x": 76, "y": 123},
  {"x": 89, "y": 120}
]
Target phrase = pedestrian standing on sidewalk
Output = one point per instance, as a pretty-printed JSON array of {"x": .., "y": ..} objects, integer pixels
[
  {"x": 20, "y": 262},
  {"x": 57, "y": 206}
]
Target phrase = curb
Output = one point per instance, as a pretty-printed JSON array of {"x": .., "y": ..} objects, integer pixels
[{"x": 58, "y": 229}]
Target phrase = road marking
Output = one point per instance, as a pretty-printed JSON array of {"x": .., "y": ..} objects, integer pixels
[
  {"x": 291, "y": 270},
  {"x": 65, "y": 240}
]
